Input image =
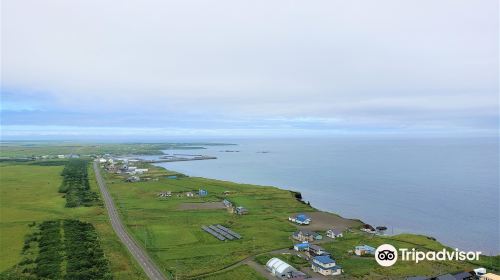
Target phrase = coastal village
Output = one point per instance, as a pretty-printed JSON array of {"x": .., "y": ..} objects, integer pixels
[
  {"x": 217, "y": 227},
  {"x": 313, "y": 230}
]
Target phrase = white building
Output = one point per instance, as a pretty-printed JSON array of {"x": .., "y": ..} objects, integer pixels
[
  {"x": 480, "y": 271},
  {"x": 334, "y": 233},
  {"x": 324, "y": 265},
  {"x": 131, "y": 168},
  {"x": 279, "y": 268}
]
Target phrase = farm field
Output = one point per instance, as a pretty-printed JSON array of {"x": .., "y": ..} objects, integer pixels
[{"x": 29, "y": 193}]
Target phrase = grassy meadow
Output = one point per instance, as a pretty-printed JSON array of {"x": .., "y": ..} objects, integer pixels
[
  {"x": 367, "y": 267},
  {"x": 174, "y": 237},
  {"x": 29, "y": 192},
  {"x": 240, "y": 272}
]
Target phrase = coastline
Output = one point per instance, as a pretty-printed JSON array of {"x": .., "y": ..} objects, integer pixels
[
  {"x": 320, "y": 210},
  {"x": 408, "y": 186}
]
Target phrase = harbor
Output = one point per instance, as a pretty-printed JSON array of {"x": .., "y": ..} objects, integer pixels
[{"x": 178, "y": 157}]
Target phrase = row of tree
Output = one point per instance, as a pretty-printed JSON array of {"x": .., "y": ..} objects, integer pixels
[
  {"x": 61, "y": 250},
  {"x": 85, "y": 258},
  {"x": 50, "y": 251},
  {"x": 76, "y": 185}
]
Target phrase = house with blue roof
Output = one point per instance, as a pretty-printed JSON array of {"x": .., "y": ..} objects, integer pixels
[
  {"x": 301, "y": 247},
  {"x": 325, "y": 265},
  {"x": 202, "y": 192},
  {"x": 364, "y": 250},
  {"x": 301, "y": 219}
]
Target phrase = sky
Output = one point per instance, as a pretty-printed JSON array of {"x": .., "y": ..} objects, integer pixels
[{"x": 159, "y": 69}]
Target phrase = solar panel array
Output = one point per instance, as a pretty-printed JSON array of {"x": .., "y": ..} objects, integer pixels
[
  {"x": 221, "y": 233},
  {"x": 218, "y": 236},
  {"x": 229, "y": 231}
]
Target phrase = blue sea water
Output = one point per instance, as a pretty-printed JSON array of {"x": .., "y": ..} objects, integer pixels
[{"x": 445, "y": 188}]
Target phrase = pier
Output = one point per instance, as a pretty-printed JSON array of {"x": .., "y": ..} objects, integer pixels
[{"x": 175, "y": 158}]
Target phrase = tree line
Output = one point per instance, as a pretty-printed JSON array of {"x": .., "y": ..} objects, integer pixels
[
  {"x": 61, "y": 250},
  {"x": 76, "y": 185}
]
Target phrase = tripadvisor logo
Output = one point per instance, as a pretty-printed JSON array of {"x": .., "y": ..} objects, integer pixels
[{"x": 387, "y": 255}]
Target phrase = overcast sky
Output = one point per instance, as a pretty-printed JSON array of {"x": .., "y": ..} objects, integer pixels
[{"x": 248, "y": 68}]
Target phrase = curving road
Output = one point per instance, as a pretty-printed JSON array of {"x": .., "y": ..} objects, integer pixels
[{"x": 137, "y": 252}]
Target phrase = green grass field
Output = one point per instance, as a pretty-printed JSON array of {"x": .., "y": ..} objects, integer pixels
[
  {"x": 30, "y": 193},
  {"x": 174, "y": 237},
  {"x": 176, "y": 242},
  {"x": 240, "y": 272},
  {"x": 367, "y": 266}
]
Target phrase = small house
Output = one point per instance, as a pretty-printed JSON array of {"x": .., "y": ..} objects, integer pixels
[
  {"x": 324, "y": 265},
  {"x": 141, "y": 170},
  {"x": 480, "y": 271},
  {"x": 315, "y": 250},
  {"x": 165, "y": 194},
  {"x": 368, "y": 228},
  {"x": 300, "y": 219},
  {"x": 334, "y": 233},
  {"x": 172, "y": 177},
  {"x": 202, "y": 192},
  {"x": 364, "y": 250},
  {"x": 381, "y": 229},
  {"x": 133, "y": 179},
  {"x": 190, "y": 194},
  {"x": 240, "y": 210},
  {"x": 306, "y": 235},
  {"x": 227, "y": 203},
  {"x": 301, "y": 247}
]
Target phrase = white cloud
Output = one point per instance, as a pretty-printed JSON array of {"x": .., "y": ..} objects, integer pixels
[{"x": 326, "y": 60}]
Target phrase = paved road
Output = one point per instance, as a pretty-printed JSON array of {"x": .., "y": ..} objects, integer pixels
[{"x": 137, "y": 252}]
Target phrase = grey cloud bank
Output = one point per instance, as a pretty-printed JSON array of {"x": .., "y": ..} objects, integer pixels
[{"x": 248, "y": 67}]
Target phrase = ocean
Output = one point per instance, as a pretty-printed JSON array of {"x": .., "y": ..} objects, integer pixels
[{"x": 447, "y": 188}]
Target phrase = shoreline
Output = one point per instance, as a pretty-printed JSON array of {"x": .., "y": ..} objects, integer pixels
[{"x": 321, "y": 210}]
